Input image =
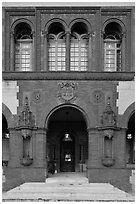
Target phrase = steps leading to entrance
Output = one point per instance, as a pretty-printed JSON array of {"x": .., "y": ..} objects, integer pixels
[{"x": 67, "y": 187}]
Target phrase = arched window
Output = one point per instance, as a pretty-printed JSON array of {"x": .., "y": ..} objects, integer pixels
[
  {"x": 56, "y": 48},
  {"x": 130, "y": 140},
  {"x": 23, "y": 47},
  {"x": 5, "y": 141},
  {"x": 112, "y": 47},
  {"x": 79, "y": 47}
]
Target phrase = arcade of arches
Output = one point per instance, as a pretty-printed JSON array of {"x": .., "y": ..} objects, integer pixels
[{"x": 67, "y": 140}]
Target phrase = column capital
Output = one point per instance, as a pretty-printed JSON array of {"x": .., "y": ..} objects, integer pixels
[
  {"x": 33, "y": 33},
  {"x": 92, "y": 129},
  {"x": 91, "y": 34},
  {"x": 123, "y": 35},
  {"x": 12, "y": 34},
  {"x": 41, "y": 130},
  {"x": 102, "y": 33},
  {"x": 67, "y": 32},
  {"x": 44, "y": 33}
]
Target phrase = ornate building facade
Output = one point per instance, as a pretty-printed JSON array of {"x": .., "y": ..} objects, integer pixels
[{"x": 68, "y": 92}]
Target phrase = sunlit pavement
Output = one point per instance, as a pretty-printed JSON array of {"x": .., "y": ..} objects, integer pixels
[{"x": 67, "y": 187}]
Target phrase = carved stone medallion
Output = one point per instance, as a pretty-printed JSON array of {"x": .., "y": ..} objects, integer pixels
[
  {"x": 98, "y": 96},
  {"x": 37, "y": 96},
  {"x": 67, "y": 91}
]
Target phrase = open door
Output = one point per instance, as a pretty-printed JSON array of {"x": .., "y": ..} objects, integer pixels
[{"x": 67, "y": 154}]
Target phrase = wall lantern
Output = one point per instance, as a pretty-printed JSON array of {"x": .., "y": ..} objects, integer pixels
[
  {"x": 108, "y": 128},
  {"x": 26, "y": 125}
]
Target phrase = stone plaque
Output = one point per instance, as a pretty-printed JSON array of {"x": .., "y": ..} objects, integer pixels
[{"x": 67, "y": 91}]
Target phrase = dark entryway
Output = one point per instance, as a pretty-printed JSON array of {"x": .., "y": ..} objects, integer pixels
[
  {"x": 67, "y": 153},
  {"x": 67, "y": 140}
]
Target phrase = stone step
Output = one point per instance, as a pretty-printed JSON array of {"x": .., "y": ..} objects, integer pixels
[
  {"x": 66, "y": 187},
  {"x": 68, "y": 196},
  {"x": 71, "y": 188},
  {"x": 35, "y": 191}
]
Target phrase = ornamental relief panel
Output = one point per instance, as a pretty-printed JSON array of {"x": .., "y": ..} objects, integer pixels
[
  {"x": 67, "y": 92},
  {"x": 37, "y": 96},
  {"x": 98, "y": 96}
]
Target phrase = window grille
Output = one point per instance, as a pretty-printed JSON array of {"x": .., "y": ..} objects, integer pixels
[
  {"x": 112, "y": 59},
  {"x": 78, "y": 54},
  {"x": 56, "y": 53},
  {"x": 23, "y": 52}
]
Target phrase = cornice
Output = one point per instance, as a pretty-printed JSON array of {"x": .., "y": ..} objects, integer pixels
[
  {"x": 99, "y": 76},
  {"x": 20, "y": 11},
  {"x": 68, "y": 10}
]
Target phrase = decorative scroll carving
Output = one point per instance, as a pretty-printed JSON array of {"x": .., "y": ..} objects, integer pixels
[{"x": 67, "y": 91}]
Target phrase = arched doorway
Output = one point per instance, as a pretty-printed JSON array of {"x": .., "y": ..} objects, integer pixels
[
  {"x": 130, "y": 140},
  {"x": 67, "y": 139},
  {"x": 5, "y": 141}
]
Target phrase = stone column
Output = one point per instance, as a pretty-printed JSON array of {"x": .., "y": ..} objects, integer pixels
[
  {"x": 12, "y": 52},
  {"x": 123, "y": 53},
  {"x": 16, "y": 148},
  {"x": 90, "y": 53},
  {"x": 67, "y": 51},
  {"x": 102, "y": 55},
  {"x": 33, "y": 58},
  {"x": 45, "y": 50}
]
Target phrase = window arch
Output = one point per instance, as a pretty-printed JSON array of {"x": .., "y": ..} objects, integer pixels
[
  {"x": 23, "y": 47},
  {"x": 112, "y": 47},
  {"x": 56, "y": 47},
  {"x": 79, "y": 47},
  {"x": 130, "y": 140}
]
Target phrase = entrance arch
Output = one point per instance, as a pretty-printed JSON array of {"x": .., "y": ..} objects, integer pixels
[
  {"x": 67, "y": 139},
  {"x": 130, "y": 140},
  {"x": 5, "y": 141}
]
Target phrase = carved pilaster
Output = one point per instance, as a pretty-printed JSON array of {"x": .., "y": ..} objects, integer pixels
[
  {"x": 67, "y": 50},
  {"x": 90, "y": 52},
  {"x": 123, "y": 51},
  {"x": 33, "y": 50},
  {"x": 12, "y": 52},
  {"x": 45, "y": 49}
]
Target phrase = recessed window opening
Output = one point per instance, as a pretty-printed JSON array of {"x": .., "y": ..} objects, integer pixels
[
  {"x": 56, "y": 48},
  {"x": 23, "y": 47},
  {"x": 112, "y": 47},
  {"x": 79, "y": 47}
]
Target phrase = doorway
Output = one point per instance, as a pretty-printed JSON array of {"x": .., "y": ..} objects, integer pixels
[
  {"x": 67, "y": 139},
  {"x": 67, "y": 153}
]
